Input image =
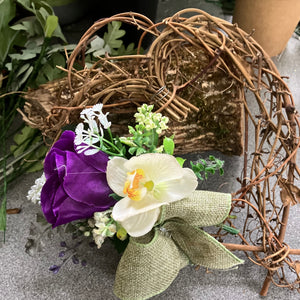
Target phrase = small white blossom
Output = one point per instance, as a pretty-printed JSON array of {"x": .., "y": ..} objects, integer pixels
[
  {"x": 112, "y": 228},
  {"x": 86, "y": 139},
  {"x": 99, "y": 239},
  {"x": 34, "y": 194},
  {"x": 103, "y": 227},
  {"x": 91, "y": 223},
  {"x": 97, "y": 109}
]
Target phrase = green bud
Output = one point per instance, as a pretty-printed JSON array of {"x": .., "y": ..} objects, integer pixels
[{"x": 121, "y": 234}]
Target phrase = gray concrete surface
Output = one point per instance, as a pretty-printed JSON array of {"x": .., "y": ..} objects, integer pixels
[{"x": 26, "y": 277}]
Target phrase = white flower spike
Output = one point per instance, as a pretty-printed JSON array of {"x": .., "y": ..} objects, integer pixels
[
  {"x": 87, "y": 138},
  {"x": 146, "y": 182}
]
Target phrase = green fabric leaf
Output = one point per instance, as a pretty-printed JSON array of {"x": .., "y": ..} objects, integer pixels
[
  {"x": 60, "y": 48},
  {"x": 59, "y": 34},
  {"x": 98, "y": 47},
  {"x": 169, "y": 145},
  {"x": 25, "y": 76},
  {"x": 22, "y": 69},
  {"x": 7, "y": 38},
  {"x": 3, "y": 215},
  {"x": 26, "y": 4},
  {"x": 51, "y": 25},
  {"x": 111, "y": 37},
  {"x": 130, "y": 50},
  {"x": 148, "y": 268},
  {"x": 26, "y": 133},
  {"x": 7, "y": 13},
  {"x": 19, "y": 26},
  {"x": 180, "y": 160},
  {"x": 25, "y": 55}
]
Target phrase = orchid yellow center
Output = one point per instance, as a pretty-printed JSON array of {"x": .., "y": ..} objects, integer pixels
[{"x": 136, "y": 185}]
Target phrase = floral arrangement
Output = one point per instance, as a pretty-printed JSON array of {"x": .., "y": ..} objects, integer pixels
[{"x": 138, "y": 192}]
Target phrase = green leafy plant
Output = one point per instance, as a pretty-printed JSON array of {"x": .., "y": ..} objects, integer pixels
[
  {"x": 31, "y": 48},
  {"x": 205, "y": 167},
  {"x": 26, "y": 29}
]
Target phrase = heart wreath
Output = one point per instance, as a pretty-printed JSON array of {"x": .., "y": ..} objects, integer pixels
[{"x": 196, "y": 71}]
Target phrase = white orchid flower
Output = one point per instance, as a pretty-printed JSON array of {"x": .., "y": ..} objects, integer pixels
[{"x": 146, "y": 182}]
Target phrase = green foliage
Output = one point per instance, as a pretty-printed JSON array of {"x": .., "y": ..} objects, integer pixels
[
  {"x": 115, "y": 196},
  {"x": 169, "y": 145},
  {"x": 26, "y": 139},
  {"x": 229, "y": 229},
  {"x": 144, "y": 137},
  {"x": 51, "y": 25},
  {"x": 3, "y": 214},
  {"x": 125, "y": 51},
  {"x": 205, "y": 167},
  {"x": 98, "y": 47},
  {"x": 113, "y": 35},
  {"x": 29, "y": 58},
  {"x": 180, "y": 160}
]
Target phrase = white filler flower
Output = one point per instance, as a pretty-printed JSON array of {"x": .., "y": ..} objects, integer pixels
[
  {"x": 147, "y": 182},
  {"x": 86, "y": 138},
  {"x": 34, "y": 194}
]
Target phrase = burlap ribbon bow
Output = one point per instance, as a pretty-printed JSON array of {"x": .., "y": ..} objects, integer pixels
[{"x": 150, "y": 263}]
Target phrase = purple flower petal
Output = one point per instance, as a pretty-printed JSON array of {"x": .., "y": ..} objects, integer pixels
[{"x": 76, "y": 185}]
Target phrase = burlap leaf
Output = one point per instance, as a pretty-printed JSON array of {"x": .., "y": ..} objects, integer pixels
[
  {"x": 150, "y": 263},
  {"x": 146, "y": 270},
  {"x": 201, "y": 248}
]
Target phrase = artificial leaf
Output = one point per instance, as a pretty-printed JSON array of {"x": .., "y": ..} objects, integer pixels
[
  {"x": 7, "y": 38},
  {"x": 26, "y": 4},
  {"x": 229, "y": 229},
  {"x": 51, "y": 25},
  {"x": 130, "y": 50},
  {"x": 42, "y": 16},
  {"x": 19, "y": 26},
  {"x": 58, "y": 33},
  {"x": 7, "y": 12},
  {"x": 169, "y": 145},
  {"x": 22, "y": 69},
  {"x": 25, "y": 55},
  {"x": 111, "y": 37},
  {"x": 98, "y": 47},
  {"x": 57, "y": 48},
  {"x": 3, "y": 215},
  {"x": 26, "y": 133},
  {"x": 57, "y": 59},
  {"x": 115, "y": 196},
  {"x": 180, "y": 160},
  {"x": 96, "y": 44},
  {"x": 25, "y": 76},
  {"x": 31, "y": 26},
  {"x": 46, "y": 6}
]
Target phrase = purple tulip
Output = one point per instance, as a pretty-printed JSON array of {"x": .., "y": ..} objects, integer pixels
[{"x": 76, "y": 185}]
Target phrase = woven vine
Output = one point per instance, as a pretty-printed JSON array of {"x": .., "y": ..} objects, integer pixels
[{"x": 222, "y": 92}]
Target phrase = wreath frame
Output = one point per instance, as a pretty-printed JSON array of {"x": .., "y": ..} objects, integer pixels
[{"x": 268, "y": 186}]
